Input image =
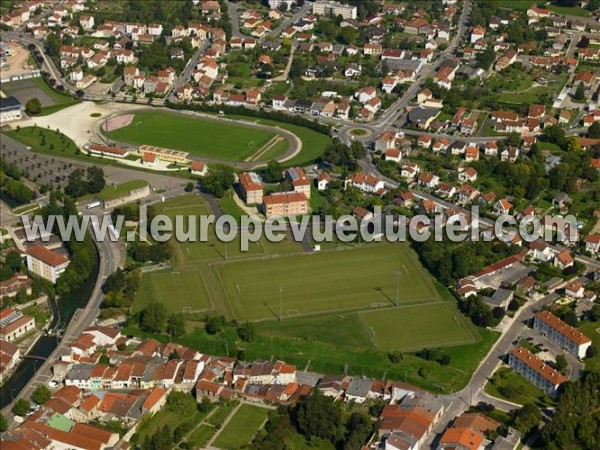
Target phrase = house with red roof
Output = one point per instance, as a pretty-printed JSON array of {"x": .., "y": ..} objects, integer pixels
[{"x": 502, "y": 206}]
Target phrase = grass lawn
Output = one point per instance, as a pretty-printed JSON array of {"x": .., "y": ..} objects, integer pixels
[
  {"x": 200, "y": 436},
  {"x": 509, "y": 385},
  {"x": 201, "y": 137},
  {"x": 242, "y": 427},
  {"x": 569, "y": 10},
  {"x": 180, "y": 291},
  {"x": 220, "y": 414},
  {"x": 43, "y": 140},
  {"x": 359, "y": 132},
  {"x": 531, "y": 96},
  {"x": 313, "y": 143},
  {"x": 402, "y": 328},
  {"x": 517, "y": 5},
  {"x": 114, "y": 191},
  {"x": 592, "y": 330},
  {"x": 360, "y": 278}
]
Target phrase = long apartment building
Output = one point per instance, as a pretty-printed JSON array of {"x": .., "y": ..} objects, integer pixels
[
  {"x": 46, "y": 263},
  {"x": 327, "y": 8},
  {"x": 561, "y": 333},
  {"x": 536, "y": 371},
  {"x": 285, "y": 204}
]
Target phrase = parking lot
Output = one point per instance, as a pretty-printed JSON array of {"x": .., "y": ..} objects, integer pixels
[
  {"x": 41, "y": 169},
  {"x": 25, "y": 90}
]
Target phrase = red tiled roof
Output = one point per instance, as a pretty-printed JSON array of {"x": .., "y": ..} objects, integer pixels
[
  {"x": 563, "y": 328},
  {"x": 48, "y": 257},
  {"x": 466, "y": 438},
  {"x": 539, "y": 366}
]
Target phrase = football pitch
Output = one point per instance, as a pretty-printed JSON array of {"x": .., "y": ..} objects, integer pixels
[
  {"x": 418, "y": 326},
  {"x": 198, "y": 136},
  {"x": 333, "y": 281},
  {"x": 178, "y": 291},
  {"x": 375, "y": 295}
]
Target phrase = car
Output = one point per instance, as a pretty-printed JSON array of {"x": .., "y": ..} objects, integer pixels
[
  {"x": 35, "y": 406},
  {"x": 515, "y": 342},
  {"x": 53, "y": 384}
]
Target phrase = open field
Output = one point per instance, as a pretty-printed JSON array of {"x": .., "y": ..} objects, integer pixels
[
  {"x": 46, "y": 141},
  {"x": 180, "y": 291},
  {"x": 331, "y": 299},
  {"x": 25, "y": 90},
  {"x": 199, "y": 137},
  {"x": 111, "y": 192},
  {"x": 313, "y": 143},
  {"x": 200, "y": 436},
  {"x": 405, "y": 324},
  {"x": 242, "y": 427},
  {"x": 324, "y": 282},
  {"x": 592, "y": 330}
]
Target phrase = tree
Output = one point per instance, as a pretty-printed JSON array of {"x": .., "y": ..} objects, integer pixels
[
  {"x": 189, "y": 187},
  {"x": 318, "y": 416},
  {"x": 579, "y": 92},
  {"x": 594, "y": 130},
  {"x": 153, "y": 318},
  {"x": 514, "y": 139},
  {"x": 95, "y": 180},
  {"x": 561, "y": 364},
  {"x": 218, "y": 181},
  {"x": 273, "y": 172},
  {"x": 21, "y": 407},
  {"x": 13, "y": 260},
  {"x": 526, "y": 418},
  {"x": 555, "y": 135},
  {"x": 176, "y": 325},
  {"x": 3, "y": 423},
  {"x": 486, "y": 59},
  {"x": 76, "y": 187},
  {"x": 246, "y": 332},
  {"x": 33, "y": 106},
  {"x": 41, "y": 394}
]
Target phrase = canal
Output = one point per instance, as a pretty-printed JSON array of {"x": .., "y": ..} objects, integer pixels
[{"x": 46, "y": 344}]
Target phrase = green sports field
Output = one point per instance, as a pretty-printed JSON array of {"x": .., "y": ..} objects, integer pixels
[
  {"x": 200, "y": 137},
  {"x": 344, "y": 296},
  {"x": 179, "y": 291},
  {"x": 330, "y": 281},
  {"x": 242, "y": 427},
  {"x": 419, "y": 326}
]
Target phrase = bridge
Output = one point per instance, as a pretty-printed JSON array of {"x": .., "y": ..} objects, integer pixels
[{"x": 35, "y": 357}]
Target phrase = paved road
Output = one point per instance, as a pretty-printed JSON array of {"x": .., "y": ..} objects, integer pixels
[
  {"x": 390, "y": 115},
  {"x": 111, "y": 257},
  {"x": 48, "y": 64},
  {"x": 185, "y": 76},
  {"x": 235, "y": 10}
]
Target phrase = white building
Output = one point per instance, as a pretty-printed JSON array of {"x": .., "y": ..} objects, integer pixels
[
  {"x": 10, "y": 109},
  {"x": 326, "y": 8},
  {"x": 536, "y": 371},
  {"x": 561, "y": 333},
  {"x": 46, "y": 263}
]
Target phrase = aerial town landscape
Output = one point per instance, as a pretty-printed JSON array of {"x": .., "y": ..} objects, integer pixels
[{"x": 481, "y": 113}]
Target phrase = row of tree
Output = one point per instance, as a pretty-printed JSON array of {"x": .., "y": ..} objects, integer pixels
[{"x": 318, "y": 418}]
